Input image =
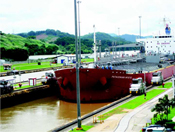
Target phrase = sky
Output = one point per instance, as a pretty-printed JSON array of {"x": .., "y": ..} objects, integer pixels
[{"x": 109, "y": 16}]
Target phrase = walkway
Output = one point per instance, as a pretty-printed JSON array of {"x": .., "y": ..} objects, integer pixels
[
  {"x": 132, "y": 121},
  {"x": 135, "y": 120}
]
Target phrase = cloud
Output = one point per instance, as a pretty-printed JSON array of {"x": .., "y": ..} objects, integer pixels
[{"x": 108, "y": 16}]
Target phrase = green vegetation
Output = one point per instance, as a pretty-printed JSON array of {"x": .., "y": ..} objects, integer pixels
[
  {"x": 24, "y": 85},
  {"x": 87, "y": 60},
  {"x": 167, "y": 85},
  {"x": 134, "y": 103},
  {"x": 34, "y": 65},
  {"x": 31, "y": 66},
  {"x": 84, "y": 129},
  {"x": 19, "y": 47},
  {"x": 165, "y": 111},
  {"x": 164, "y": 116}
]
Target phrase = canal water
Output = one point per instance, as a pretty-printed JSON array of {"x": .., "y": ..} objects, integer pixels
[{"x": 42, "y": 115}]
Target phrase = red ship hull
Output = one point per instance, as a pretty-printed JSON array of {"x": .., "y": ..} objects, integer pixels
[{"x": 99, "y": 85}]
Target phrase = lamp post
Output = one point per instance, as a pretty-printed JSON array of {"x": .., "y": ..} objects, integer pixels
[
  {"x": 77, "y": 70},
  {"x": 140, "y": 24},
  {"x": 79, "y": 33},
  {"x": 94, "y": 46}
]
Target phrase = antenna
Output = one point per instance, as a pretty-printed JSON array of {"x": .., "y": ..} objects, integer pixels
[{"x": 165, "y": 21}]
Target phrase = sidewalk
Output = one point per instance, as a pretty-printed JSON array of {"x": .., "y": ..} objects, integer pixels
[{"x": 132, "y": 121}]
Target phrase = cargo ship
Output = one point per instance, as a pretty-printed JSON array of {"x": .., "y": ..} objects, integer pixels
[{"x": 99, "y": 84}]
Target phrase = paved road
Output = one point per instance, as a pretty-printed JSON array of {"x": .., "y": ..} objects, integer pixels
[
  {"x": 25, "y": 77},
  {"x": 135, "y": 120}
]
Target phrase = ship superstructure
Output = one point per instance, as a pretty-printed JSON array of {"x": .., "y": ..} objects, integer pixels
[{"x": 160, "y": 44}]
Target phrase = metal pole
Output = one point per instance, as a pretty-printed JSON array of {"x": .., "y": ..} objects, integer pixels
[
  {"x": 173, "y": 79},
  {"x": 77, "y": 70},
  {"x": 140, "y": 25},
  {"x": 94, "y": 46},
  {"x": 79, "y": 32},
  {"x": 100, "y": 47}
]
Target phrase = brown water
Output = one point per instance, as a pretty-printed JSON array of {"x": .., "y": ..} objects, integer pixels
[{"x": 41, "y": 115}]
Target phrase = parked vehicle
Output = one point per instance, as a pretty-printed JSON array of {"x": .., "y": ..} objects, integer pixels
[
  {"x": 15, "y": 72},
  {"x": 156, "y": 129},
  {"x": 6, "y": 86},
  {"x": 151, "y": 126},
  {"x": 137, "y": 86},
  {"x": 157, "y": 78},
  {"x": 46, "y": 77}
]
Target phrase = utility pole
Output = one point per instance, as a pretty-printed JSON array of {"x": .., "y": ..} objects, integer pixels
[
  {"x": 77, "y": 70},
  {"x": 95, "y": 56},
  {"x": 100, "y": 48},
  {"x": 140, "y": 25},
  {"x": 79, "y": 32}
]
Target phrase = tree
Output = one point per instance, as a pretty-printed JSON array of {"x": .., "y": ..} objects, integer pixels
[
  {"x": 31, "y": 37},
  {"x": 158, "y": 109},
  {"x": 31, "y": 33},
  {"x": 163, "y": 107},
  {"x": 165, "y": 102},
  {"x": 17, "y": 54}
]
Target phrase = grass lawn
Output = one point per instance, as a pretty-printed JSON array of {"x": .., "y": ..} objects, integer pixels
[
  {"x": 34, "y": 65},
  {"x": 134, "y": 103},
  {"x": 167, "y": 85},
  {"x": 25, "y": 86},
  {"x": 30, "y": 66},
  {"x": 87, "y": 60},
  {"x": 85, "y": 128}
]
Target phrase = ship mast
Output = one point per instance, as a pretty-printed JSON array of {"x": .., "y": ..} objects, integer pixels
[{"x": 94, "y": 46}]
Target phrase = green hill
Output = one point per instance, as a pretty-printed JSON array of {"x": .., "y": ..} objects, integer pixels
[
  {"x": 18, "y": 48},
  {"x": 99, "y": 36},
  {"x": 49, "y": 35},
  {"x": 106, "y": 37}
]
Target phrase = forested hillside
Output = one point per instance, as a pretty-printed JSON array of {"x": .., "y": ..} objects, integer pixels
[
  {"x": 19, "y": 47},
  {"x": 49, "y": 35}
]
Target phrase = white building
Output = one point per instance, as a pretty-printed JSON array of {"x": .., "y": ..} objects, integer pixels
[{"x": 65, "y": 58}]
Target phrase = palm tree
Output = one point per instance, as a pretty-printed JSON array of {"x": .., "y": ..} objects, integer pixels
[
  {"x": 159, "y": 109},
  {"x": 165, "y": 102},
  {"x": 172, "y": 102}
]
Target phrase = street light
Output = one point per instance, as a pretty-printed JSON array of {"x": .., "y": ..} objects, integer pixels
[
  {"x": 79, "y": 33},
  {"x": 77, "y": 70},
  {"x": 140, "y": 24}
]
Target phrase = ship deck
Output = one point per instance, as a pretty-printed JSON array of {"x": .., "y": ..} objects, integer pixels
[{"x": 140, "y": 66}]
